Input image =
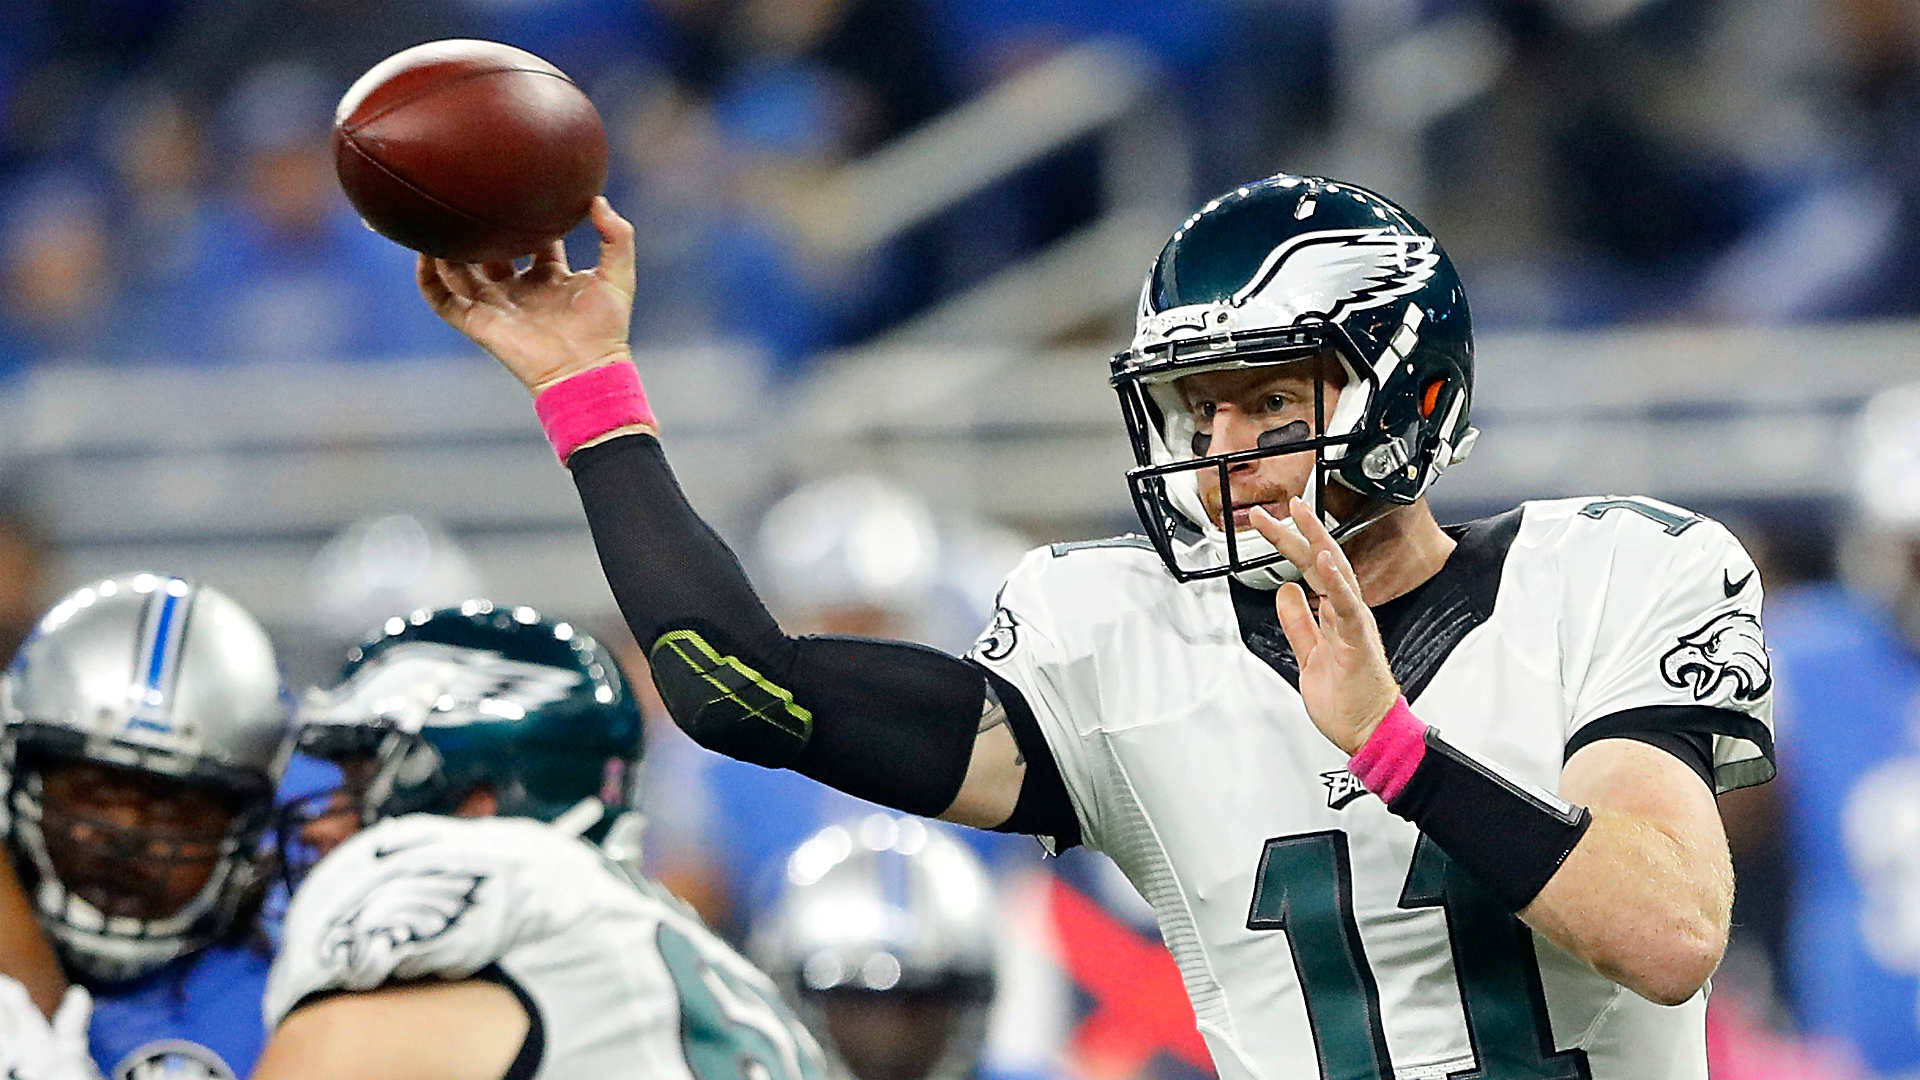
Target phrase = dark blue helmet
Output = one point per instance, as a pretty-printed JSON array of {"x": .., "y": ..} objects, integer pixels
[{"x": 1287, "y": 269}]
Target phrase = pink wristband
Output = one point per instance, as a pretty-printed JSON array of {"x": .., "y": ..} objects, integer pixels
[
  {"x": 1395, "y": 749},
  {"x": 583, "y": 407}
]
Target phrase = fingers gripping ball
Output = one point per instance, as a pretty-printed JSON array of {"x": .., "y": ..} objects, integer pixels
[{"x": 470, "y": 151}]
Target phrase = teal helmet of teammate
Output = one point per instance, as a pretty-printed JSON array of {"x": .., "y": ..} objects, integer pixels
[
  {"x": 1287, "y": 269},
  {"x": 440, "y": 705}
]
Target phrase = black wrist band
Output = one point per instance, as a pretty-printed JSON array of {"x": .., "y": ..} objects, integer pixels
[{"x": 1512, "y": 840}]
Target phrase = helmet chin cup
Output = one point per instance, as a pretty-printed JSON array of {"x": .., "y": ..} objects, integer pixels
[{"x": 1270, "y": 577}]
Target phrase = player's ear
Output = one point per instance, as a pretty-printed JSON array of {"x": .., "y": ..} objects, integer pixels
[{"x": 480, "y": 802}]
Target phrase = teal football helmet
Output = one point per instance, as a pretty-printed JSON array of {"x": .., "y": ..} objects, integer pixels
[
  {"x": 1288, "y": 269},
  {"x": 441, "y": 704}
]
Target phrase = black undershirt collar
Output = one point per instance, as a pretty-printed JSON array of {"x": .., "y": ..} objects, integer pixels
[{"x": 1420, "y": 628}]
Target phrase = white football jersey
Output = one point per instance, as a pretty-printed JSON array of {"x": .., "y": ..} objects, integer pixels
[
  {"x": 1319, "y": 934},
  {"x": 618, "y": 978}
]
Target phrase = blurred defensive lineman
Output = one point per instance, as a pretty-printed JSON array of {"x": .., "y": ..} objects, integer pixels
[
  {"x": 145, "y": 730},
  {"x": 884, "y": 934},
  {"x": 1409, "y": 801},
  {"x": 487, "y": 924}
]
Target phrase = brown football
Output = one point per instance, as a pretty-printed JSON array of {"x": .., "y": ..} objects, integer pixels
[{"x": 469, "y": 150}]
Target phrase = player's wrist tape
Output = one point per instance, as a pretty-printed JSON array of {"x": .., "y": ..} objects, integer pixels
[
  {"x": 1510, "y": 838},
  {"x": 580, "y": 408}
]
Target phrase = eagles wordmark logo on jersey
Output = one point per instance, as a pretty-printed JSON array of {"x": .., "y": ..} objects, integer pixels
[
  {"x": 1728, "y": 647},
  {"x": 172, "y": 1059},
  {"x": 1342, "y": 788},
  {"x": 399, "y": 911},
  {"x": 1328, "y": 275}
]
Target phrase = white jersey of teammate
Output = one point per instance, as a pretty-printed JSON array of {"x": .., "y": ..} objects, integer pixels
[
  {"x": 618, "y": 977},
  {"x": 1319, "y": 934}
]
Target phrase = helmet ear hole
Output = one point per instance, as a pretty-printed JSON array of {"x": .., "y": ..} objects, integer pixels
[{"x": 1430, "y": 397}]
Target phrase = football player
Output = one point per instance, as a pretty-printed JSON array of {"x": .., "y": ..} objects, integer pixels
[
  {"x": 884, "y": 934},
  {"x": 487, "y": 924},
  {"x": 1408, "y": 800},
  {"x": 145, "y": 729},
  {"x": 1849, "y": 662}
]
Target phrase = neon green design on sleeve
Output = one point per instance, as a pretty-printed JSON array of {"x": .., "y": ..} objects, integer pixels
[{"x": 733, "y": 682}]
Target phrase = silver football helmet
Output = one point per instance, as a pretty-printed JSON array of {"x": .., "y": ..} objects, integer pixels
[
  {"x": 883, "y": 934},
  {"x": 1880, "y": 551},
  {"x": 175, "y": 687},
  {"x": 858, "y": 554}
]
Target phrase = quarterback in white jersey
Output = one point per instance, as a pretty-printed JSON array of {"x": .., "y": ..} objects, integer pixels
[
  {"x": 1408, "y": 801},
  {"x": 486, "y": 924},
  {"x": 1312, "y": 925}
]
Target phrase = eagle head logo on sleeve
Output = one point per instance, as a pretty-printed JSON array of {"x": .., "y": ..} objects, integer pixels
[
  {"x": 398, "y": 913},
  {"x": 1728, "y": 649}
]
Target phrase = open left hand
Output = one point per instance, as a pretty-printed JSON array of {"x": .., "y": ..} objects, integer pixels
[
  {"x": 34, "y": 1048},
  {"x": 548, "y": 321},
  {"x": 1344, "y": 677}
]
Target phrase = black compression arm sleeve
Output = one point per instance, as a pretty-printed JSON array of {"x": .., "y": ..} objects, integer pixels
[{"x": 889, "y": 722}]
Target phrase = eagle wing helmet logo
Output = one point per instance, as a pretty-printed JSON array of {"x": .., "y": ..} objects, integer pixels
[
  {"x": 1335, "y": 273},
  {"x": 1327, "y": 275},
  {"x": 1728, "y": 648}
]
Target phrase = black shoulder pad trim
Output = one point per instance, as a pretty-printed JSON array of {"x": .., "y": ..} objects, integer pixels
[
  {"x": 1702, "y": 719},
  {"x": 533, "y": 1048}
]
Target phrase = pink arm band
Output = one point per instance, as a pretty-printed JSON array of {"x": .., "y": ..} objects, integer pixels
[
  {"x": 1395, "y": 749},
  {"x": 583, "y": 407}
]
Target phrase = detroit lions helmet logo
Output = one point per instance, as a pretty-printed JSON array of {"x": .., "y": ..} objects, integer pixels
[
  {"x": 172, "y": 1059},
  {"x": 399, "y": 912},
  {"x": 1727, "y": 649},
  {"x": 1326, "y": 275}
]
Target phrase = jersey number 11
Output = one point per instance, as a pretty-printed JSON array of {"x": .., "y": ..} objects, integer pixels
[{"x": 1305, "y": 888}]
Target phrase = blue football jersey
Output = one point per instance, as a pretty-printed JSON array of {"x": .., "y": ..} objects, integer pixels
[
  {"x": 198, "y": 1018},
  {"x": 1850, "y": 693}
]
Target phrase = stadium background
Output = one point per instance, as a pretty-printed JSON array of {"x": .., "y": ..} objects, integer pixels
[{"x": 900, "y": 237}]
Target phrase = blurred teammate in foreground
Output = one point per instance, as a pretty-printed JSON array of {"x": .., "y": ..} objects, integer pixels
[
  {"x": 474, "y": 914},
  {"x": 884, "y": 934},
  {"x": 145, "y": 730},
  {"x": 1227, "y": 705}
]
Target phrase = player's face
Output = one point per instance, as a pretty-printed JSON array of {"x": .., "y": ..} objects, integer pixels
[
  {"x": 340, "y": 817},
  {"x": 1231, "y": 410},
  {"x": 891, "y": 1036},
  {"x": 130, "y": 843}
]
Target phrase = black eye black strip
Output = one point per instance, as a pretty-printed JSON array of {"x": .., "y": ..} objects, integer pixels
[{"x": 1286, "y": 433}]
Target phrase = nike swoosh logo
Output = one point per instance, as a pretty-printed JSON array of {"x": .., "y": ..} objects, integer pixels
[
  {"x": 381, "y": 851},
  {"x": 1733, "y": 587}
]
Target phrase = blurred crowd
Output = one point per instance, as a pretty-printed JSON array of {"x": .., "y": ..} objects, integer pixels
[
  {"x": 166, "y": 195},
  {"x": 167, "y": 188}
]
